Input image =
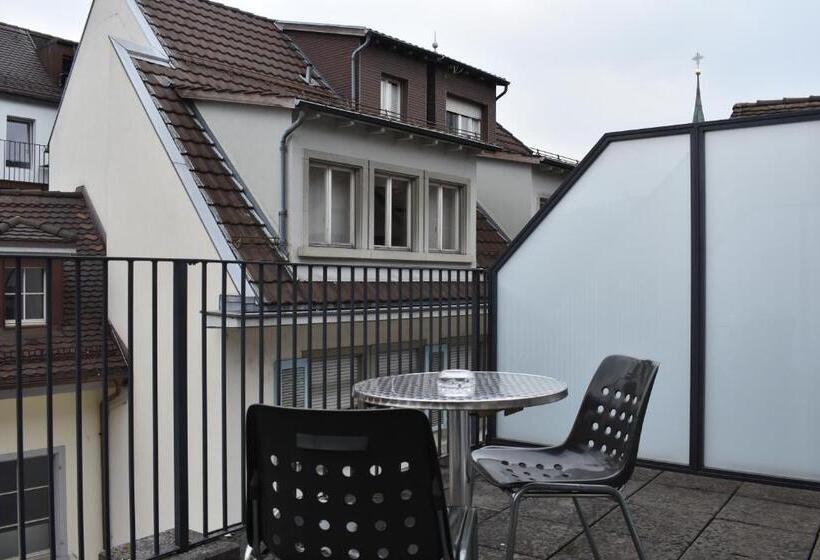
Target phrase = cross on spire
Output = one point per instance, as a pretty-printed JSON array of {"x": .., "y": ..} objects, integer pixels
[
  {"x": 698, "y": 114},
  {"x": 696, "y": 59}
]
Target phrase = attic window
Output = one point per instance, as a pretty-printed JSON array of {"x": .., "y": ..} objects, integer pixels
[
  {"x": 391, "y": 100},
  {"x": 32, "y": 296},
  {"x": 309, "y": 76},
  {"x": 463, "y": 117}
]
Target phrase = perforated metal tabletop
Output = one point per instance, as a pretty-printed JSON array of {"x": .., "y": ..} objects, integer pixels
[{"x": 494, "y": 390}]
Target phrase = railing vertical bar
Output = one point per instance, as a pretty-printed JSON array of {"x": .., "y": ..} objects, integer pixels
[
  {"x": 106, "y": 489},
  {"x": 338, "y": 337},
  {"x": 260, "y": 302},
  {"x": 277, "y": 382},
  {"x": 223, "y": 350},
  {"x": 52, "y": 541},
  {"x": 180, "y": 376},
  {"x": 18, "y": 326},
  {"x": 243, "y": 272},
  {"x": 389, "y": 336},
  {"x": 324, "y": 336},
  {"x": 450, "y": 320},
  {"x": 352, "y": 333},
  {"x": 475, "y": 331},
  {"x": 309, "y": 373},
  {"x": 132, "y": 495},
  {"x": 78, "y": 405},
  {"x": 294, "y": 304},
  {"x": 400, "y": 319},
  {"x": 203, "y": 327},
  {"x": 365, "y": 298},
  {"x": 378, "y": 318},
  {"x": 155, "y": 402}
]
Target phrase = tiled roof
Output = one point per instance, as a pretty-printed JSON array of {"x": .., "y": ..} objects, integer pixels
[
  {"x": 58, "y": 217},
  {"x": 509, "y": 143},
  {"x": 490, "y": 241},
  {"x": 21, "y": 70},
  {"x": 765, "y": 107}
]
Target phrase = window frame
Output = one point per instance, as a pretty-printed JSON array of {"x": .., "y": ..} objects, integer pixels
[
  {"x": 440, "y": 186},
  {"x": 451, "y": 107},
  {"x": 388, "y": 209},
  {"x": 60, "y": 534},
  {"x": 328, "y": 168},
  {"x": 28, "y": 144},
  {"x": 400, "y": 86},
  {"x": 23, "y": 293}
]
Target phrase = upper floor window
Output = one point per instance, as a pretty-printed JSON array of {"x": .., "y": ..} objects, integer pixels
[
  {"x": 444, "y": 217},
  {"x": 19, "y": 136},
  {"x": 391, "y": 97},
  {"x": 463, "y": 117},
  {"x": 331, "y": 194},
  {"x": 392, "y": 209},
  {"x": 32, "y": 296}
]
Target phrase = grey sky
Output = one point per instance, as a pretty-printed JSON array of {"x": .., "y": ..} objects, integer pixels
[{"x": 578, "y": 68}]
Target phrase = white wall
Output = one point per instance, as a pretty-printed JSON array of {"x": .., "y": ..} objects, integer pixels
[
  {"x": 762, "y": 301},
  {"x": 544, "y": 184},
  {"x": 506, "y": 191},
  {"x": 606, "y": 273},
  {"x": 34, "y": 423},
  {"x": 42, "y": 114}
]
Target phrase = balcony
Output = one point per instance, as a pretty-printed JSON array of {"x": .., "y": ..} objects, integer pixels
[{"x": 24, "y": 164}]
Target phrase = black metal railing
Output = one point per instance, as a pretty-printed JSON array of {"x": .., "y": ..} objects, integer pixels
[
  {"x": 161, "y": 358},
  {"x": 24, "y": 162}
]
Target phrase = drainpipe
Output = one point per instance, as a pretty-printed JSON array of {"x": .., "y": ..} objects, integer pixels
[
  {"x": 353, "y": 76},
  {"x": 283, "y": 209},
  {"x": 500, "y": 95}
]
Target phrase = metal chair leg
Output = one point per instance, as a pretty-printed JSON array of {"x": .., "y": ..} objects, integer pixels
[
  {"x": 248, "y": 552},
  {"x": 587, "y": 530},
  {"x": 515, "y": 498},
  {"x": 630, "y": 524}
]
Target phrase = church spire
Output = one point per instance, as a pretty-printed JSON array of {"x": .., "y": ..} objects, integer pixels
[{"x": 698, "y": 115}]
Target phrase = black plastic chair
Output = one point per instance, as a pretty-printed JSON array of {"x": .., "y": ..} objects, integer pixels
[
  {"x": 597, "y": 458},
  {"x": 344, "y": 484}
]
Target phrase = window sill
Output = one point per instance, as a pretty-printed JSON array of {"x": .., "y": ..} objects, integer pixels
[{"x": 308, "y": 251}]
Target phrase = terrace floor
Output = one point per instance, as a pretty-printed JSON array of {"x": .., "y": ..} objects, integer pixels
[{"x": 677, "y": 516}]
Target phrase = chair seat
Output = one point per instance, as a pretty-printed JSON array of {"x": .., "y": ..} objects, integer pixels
[{"x": 509, "y": 467}]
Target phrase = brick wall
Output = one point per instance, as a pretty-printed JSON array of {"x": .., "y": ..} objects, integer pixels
[
  {"x": 377, "y": 61},
  {"x": 331, "y": 55}
]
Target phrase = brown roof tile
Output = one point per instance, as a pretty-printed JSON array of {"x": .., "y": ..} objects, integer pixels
[
  {"x": 21, "y": 70},
  {"x": 490, "y": 241},
  {"x": 770, "y": 106},
  {"x": 31, "y": 217}
]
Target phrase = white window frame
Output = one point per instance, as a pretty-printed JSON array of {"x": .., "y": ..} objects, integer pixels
[
  {"x": 328, "y": 173},
  {"x": 59, "y": 501},
  {"x": 388, "y": 211},
  {"x": 386, "y": 84},
  {"x": 469, "y": 116},
  {"x": 16, "y": 147},
  {"x": 23, "y": 293},
  {"x": 436, "y": 245}
]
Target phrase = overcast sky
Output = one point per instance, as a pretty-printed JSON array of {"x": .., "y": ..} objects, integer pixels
[{"x": 578, "y": 68}]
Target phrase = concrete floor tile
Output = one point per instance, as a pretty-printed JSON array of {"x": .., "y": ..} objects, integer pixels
[
  {"x": 808, "y": 498},
  {"x": 730, "y": 540},
  {"x": 696, "y": 482},
  {"x": 772, "y": 514},
  {"x": 535, "y": 537}
]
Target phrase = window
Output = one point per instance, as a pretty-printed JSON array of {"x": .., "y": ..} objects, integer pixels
[
  {"x": 36, "y": 500},
  {"x": 18, "y": 142},
  {"x": 463, "y": 117},
  {"x": 392, "y": 208},
  {"x": 542, "y": 201},
  {"x": 391, "y": 97},
  {"x": 331, "y": 205},
  {"x": 444, "y": 217},
  {"x": 32, "y": 296},
  {"x": 65, "y": 68}
]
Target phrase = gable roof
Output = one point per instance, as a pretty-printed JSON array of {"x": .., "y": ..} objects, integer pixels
[
  {"x": 39, "y": 218},
  {"x": 21, "y": 70},
  {"x": 770, "y": 106}
]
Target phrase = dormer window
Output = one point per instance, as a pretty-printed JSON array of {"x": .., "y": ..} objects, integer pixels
[
  {"x": 391, "y": 103},
  {"x": 32, "y": 296},
  {"x": 463, "y": 117}
]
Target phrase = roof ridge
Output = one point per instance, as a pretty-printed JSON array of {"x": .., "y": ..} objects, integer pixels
[
  {"x": 32, "y": 192},
  {"x": 54, "y": 231},
  {"x": 29, "y": 31}
]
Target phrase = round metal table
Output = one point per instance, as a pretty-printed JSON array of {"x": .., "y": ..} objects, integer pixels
[{"x": 492, "y": 391}]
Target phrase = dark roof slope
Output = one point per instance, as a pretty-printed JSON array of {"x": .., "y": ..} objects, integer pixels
[
  {"x": 21, "y": 70},
  {"x": 509, "y": 143},
  {"x": 56, "y": 217},
  {"x": 770, "y": 106},
  {"x": 490, "y": 241}
]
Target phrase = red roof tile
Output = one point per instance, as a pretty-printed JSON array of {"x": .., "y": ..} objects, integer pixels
[{"x": 770, "y": 106}]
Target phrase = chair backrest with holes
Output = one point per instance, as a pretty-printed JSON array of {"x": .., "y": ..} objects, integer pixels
[
  {"x": 350, "y": 484},
  {"x": 611, "y": 415}
]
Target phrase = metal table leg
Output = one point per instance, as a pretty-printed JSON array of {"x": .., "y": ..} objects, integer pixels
[{"x": 463, "y": 520}]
